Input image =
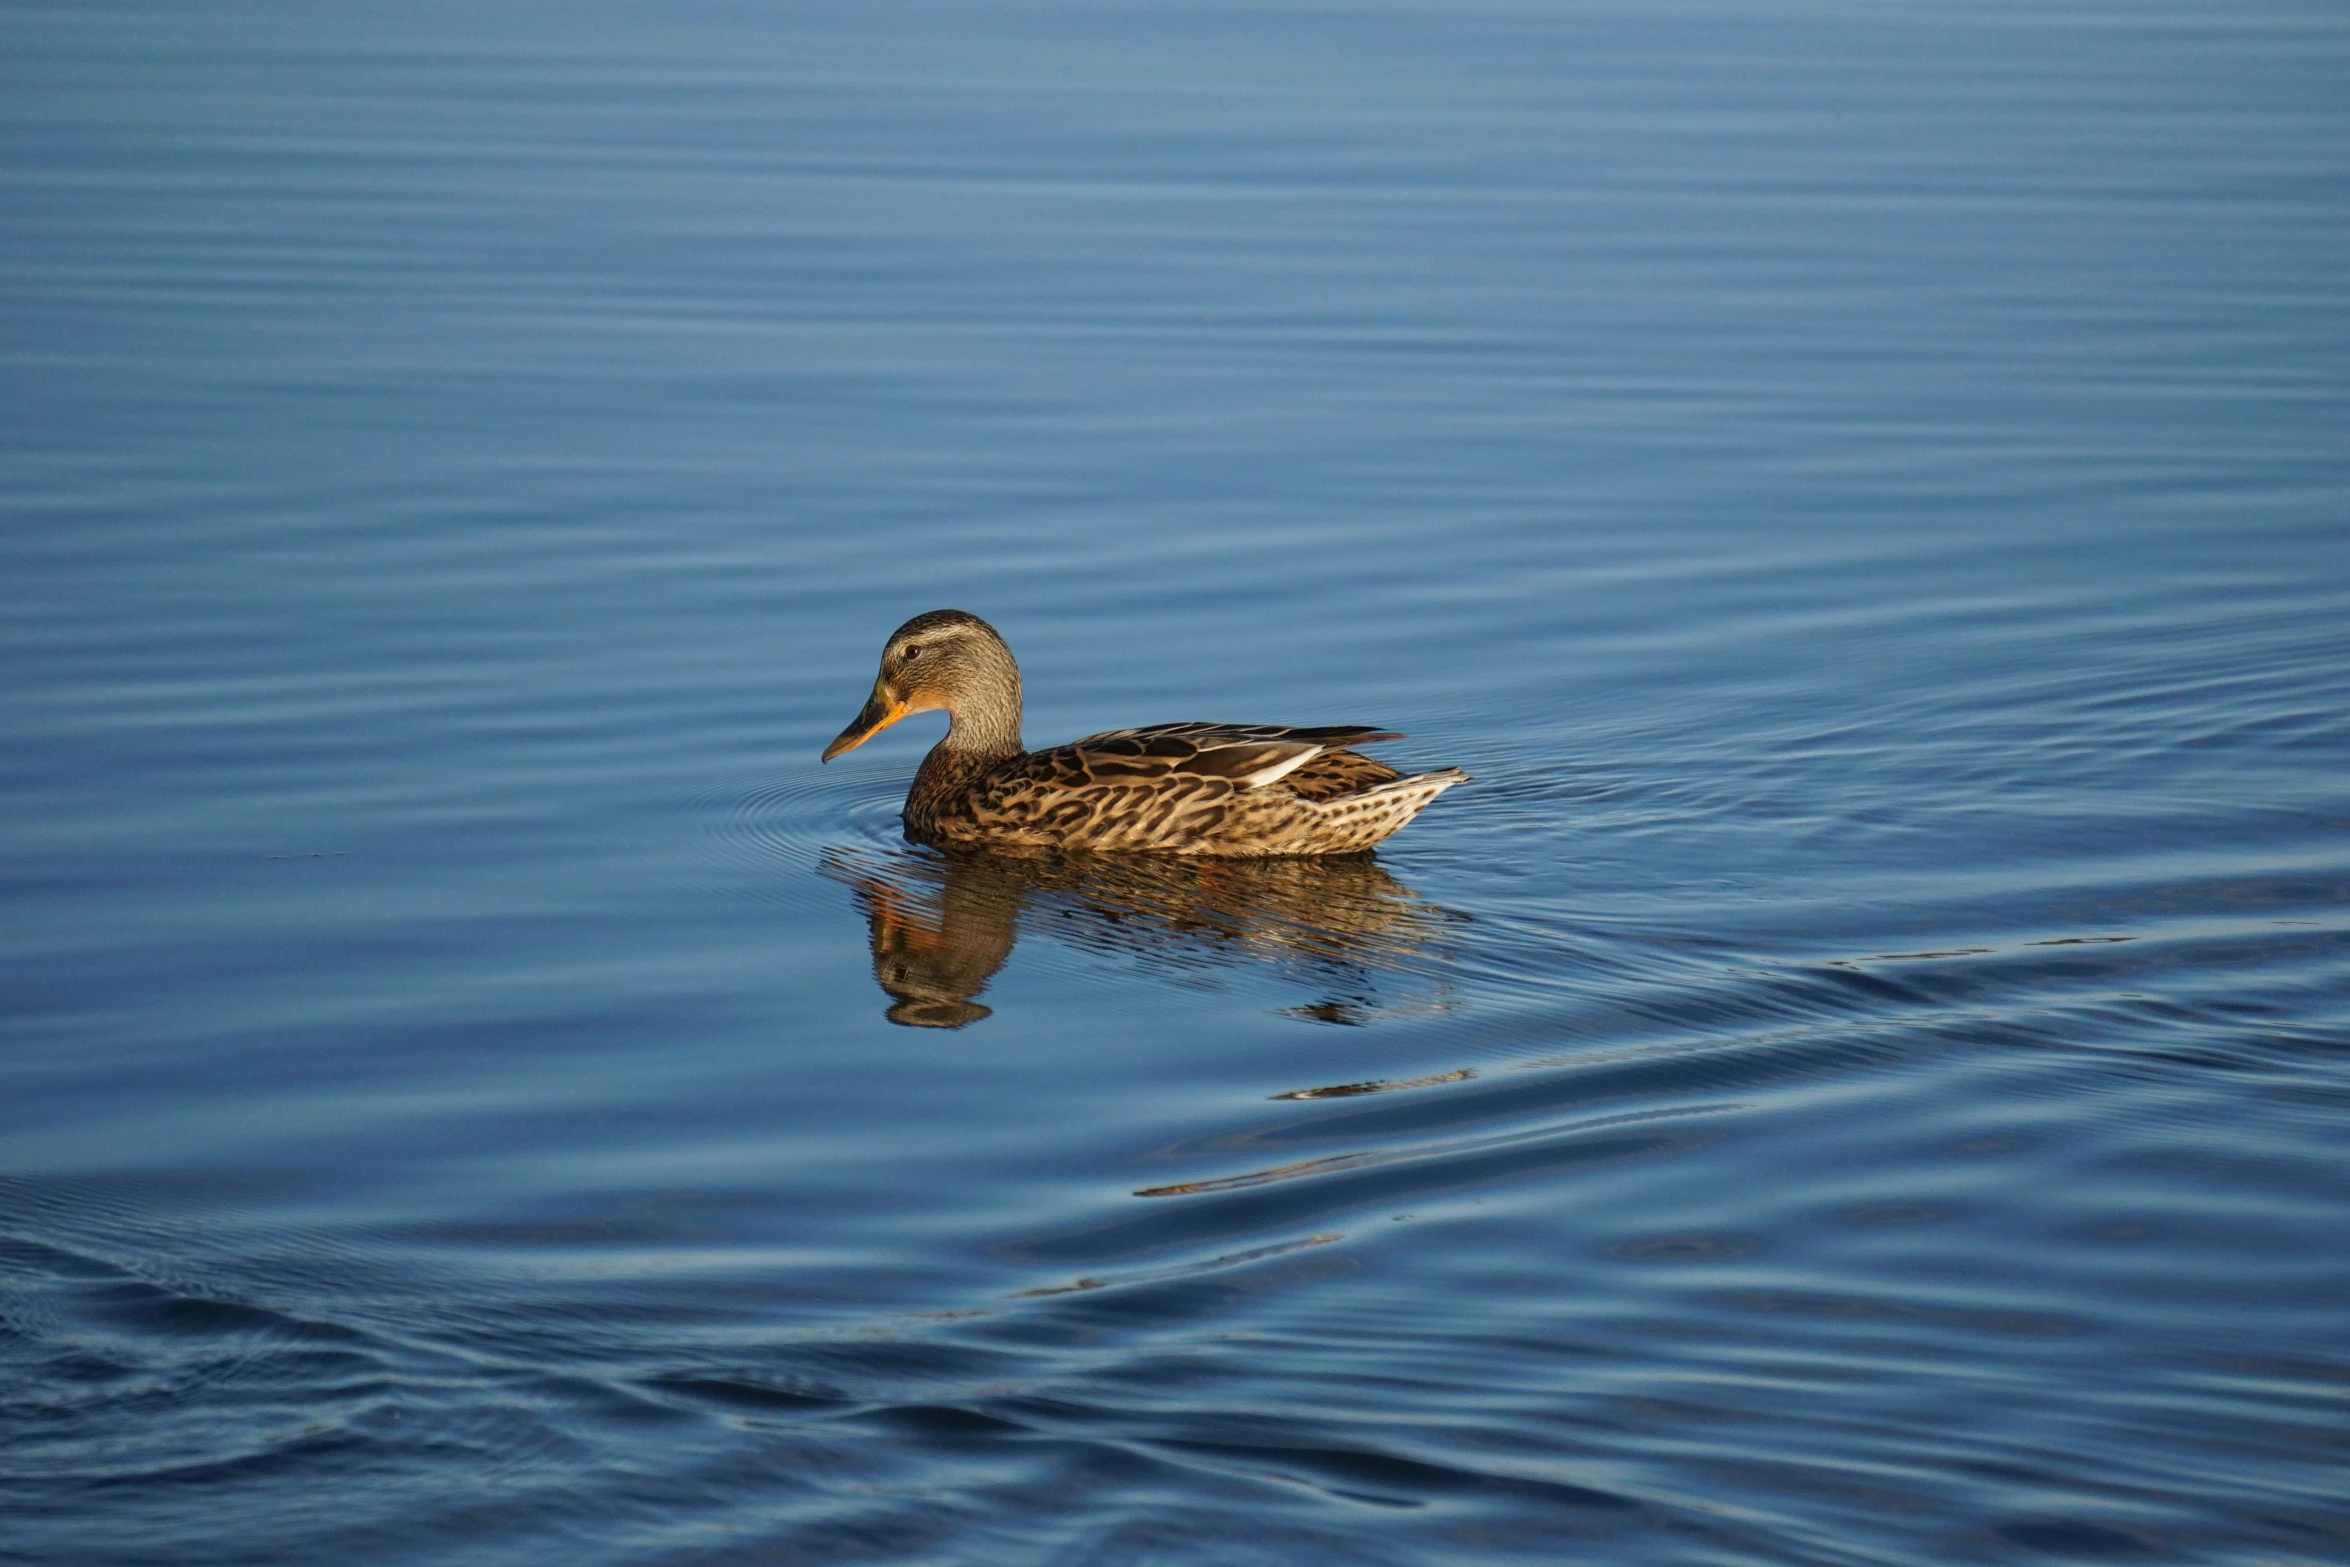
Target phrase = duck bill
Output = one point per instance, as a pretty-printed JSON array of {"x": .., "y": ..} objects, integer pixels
[{"x": 881, "y": 710}]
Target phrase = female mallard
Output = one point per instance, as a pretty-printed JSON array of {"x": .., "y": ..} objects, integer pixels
[{"x": 1222, "y": 789}]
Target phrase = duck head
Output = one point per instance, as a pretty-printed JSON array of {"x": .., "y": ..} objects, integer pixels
[{"x": 946, "y": 661}]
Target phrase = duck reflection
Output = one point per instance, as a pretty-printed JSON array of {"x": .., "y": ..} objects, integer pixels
[{"x": 944, "y": 922}]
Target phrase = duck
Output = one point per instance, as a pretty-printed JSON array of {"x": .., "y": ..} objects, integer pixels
[{"x": 1228, "y": 790}]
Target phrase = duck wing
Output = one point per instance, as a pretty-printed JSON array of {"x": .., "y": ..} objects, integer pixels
[{"x": 1314, "y": 761}]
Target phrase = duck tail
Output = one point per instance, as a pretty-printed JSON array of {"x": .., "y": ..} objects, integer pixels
[{"x": 1357, "y": 821}]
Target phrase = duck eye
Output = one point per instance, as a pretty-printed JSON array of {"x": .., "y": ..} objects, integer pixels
[{"x": 912, "y": 653}]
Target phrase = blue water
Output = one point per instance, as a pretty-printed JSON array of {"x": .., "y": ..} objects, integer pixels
[{"x": 1861, "y": 1076}]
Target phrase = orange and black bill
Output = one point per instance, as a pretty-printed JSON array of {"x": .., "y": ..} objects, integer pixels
[{"x": 882, "y": 709}]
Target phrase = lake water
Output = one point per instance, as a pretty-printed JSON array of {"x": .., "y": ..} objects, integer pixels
[{"x": 1861, "y": 1076}]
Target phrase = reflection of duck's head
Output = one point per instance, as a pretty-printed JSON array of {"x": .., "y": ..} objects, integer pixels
[
  {"x": 936, "y": 946},
  {"x": 936, "y": 1012},
  {"x": 945, "y": 661},
  {"x": 943, "y": 924}
]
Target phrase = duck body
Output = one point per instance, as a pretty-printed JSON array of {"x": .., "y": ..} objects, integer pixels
[
  {"x": 1191, "y": 788},
  {"x": 1230, "y": 790}
]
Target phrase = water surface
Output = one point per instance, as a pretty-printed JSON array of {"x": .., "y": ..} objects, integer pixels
[{"x": 1859, "y": 1076}]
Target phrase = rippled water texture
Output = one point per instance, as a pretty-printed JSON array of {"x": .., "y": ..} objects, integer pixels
[{"x": 1859, "y": 1077}]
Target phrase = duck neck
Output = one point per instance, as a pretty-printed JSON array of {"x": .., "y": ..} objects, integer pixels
[
  {"x": 983, "y": 721},
  {"x": 983, "y": 728}
]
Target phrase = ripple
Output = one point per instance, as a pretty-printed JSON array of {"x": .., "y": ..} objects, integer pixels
[
  {"x": 1685, "y": 1248},
  {"x": 1189, "y": 1270},
  {"x": 2074, "y": 1537},
  {"x": 794, "y": 824},
  {"x": 1388, "y": 1480}
]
